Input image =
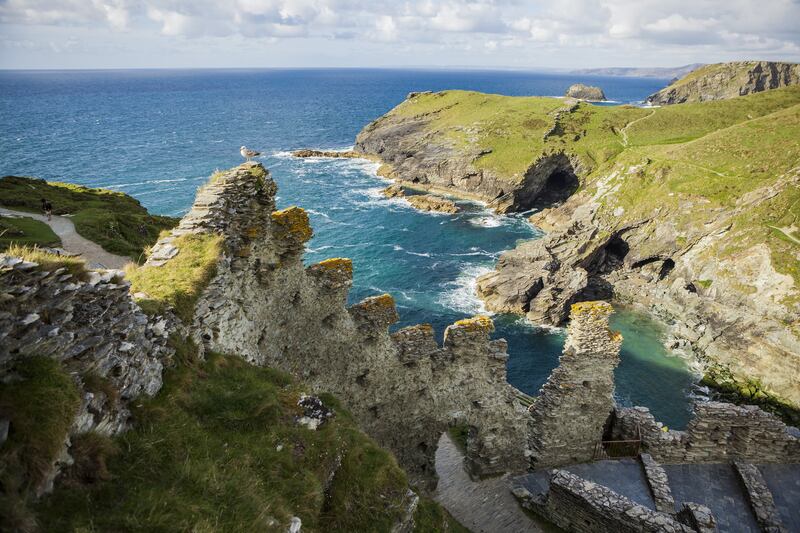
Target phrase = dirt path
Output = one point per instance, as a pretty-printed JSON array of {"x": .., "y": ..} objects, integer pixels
[
  {"x": 485, "y": 506},
  {"x": 624, "y": 131},
  {"x": 94, "y": 255}
]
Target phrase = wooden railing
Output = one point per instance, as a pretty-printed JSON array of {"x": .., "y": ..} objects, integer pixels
[{"x": 617, "y": 449}]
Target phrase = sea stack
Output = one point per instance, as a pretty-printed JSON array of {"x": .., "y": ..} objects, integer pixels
[{"x": 585, "y": 92}]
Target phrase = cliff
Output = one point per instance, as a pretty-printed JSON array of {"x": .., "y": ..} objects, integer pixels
[
  {"x": 105, "y": 397},
  {"x": 727, "y": 80},
  {"x": 689, "y": 212}
]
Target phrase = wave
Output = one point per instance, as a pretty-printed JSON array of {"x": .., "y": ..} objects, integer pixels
[
  {"x": 461, "y": 295},
  {"x": 148, "y": 182},
  {"x": 487, "y": 222}
]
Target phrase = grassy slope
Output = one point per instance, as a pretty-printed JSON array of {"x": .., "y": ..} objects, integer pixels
[
  {"x": 180, "y": 282},
  {"x": 25, "y": 230},
  {"x": 218, "y": 449},
  {"x": 712, "y": 152},
  {"x": 114, "y": 220}
]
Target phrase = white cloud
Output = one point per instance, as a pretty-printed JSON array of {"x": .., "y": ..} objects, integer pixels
[{"x": 571, "y": 30}]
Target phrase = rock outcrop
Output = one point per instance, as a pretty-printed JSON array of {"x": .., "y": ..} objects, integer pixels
[
  {"x": 585, "y": 92},
  {"x": 326, "y": 153},
  {"x": 416, "y": 154},
  {"x": 580, "y": 390},
  {"x": 404, "y": 388},
  {"x": 423, "y": 202},
  {"x": 90, "y": 324},
  {"x": 728, "y": 80}
]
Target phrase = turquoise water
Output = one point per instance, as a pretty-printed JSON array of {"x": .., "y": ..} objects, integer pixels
[{"x": 157, "y": 135}]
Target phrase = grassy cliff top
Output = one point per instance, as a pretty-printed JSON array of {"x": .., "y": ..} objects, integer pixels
[
  {"x": 706, "y": 155},
  {"x": 114, "y": 220}
]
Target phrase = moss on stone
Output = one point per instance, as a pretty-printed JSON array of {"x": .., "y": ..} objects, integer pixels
[
  {"x": 749, "y": 391},
  {"x": 477, "y": 323},
  {"x": 337, "y": 263},
  {"x": 294, "y": 222},
  {"x": 40, "y": 404},
  {"x": 595, "y": 308}
]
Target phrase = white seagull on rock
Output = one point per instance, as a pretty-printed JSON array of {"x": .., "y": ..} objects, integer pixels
[{"x": 247, "y": 153}]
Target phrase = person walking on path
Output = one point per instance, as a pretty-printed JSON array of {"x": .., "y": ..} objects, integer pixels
[{"x": 47, "y": 207}]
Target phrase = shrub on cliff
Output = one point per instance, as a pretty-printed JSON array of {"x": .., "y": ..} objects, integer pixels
[{"x": 114, "y": 220}]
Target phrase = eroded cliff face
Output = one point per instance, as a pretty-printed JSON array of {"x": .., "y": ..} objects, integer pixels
[
  {"x": 736, "y": 310},
  {"x": 419, "y": 150},
  {"x": 728, "y": 80},
  {"x": 404, "y": 388}
]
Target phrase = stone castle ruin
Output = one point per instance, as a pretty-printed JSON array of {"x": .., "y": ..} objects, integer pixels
[{"x": 403, "y": 388}]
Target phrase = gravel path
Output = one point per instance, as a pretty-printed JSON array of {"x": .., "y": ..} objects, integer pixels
[
  {"x": 485, "y": 506},
  {"x": 94, "y": 255}
]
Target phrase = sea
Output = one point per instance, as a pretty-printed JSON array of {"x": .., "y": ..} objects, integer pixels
[{"x": 158, "y": 134}]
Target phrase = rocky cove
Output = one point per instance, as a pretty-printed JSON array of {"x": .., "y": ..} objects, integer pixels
[
  {"x": 404, "y": 387},
  {"x": 297, "y": 324},
  {"x": 733, "y": 312}
]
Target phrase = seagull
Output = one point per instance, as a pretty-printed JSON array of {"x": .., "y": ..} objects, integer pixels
[{"x": 247, "y": 153}]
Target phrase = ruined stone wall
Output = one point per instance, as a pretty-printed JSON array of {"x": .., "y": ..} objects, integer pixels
[
  {"x": 719, "y": 432},
  {"x": 93, "y": 328},
  {"x": 582, "y": 506},
  {"x": 570, "y": 413},
  {"x": 404, "y": 389}
]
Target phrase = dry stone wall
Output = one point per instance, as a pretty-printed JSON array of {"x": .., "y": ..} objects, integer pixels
[
  {"x": 93, "y": 328},
  {"x": 404, "y": 388},
  {"x": 581, "y": 506},
  {"x": 719, "y": 432},
  {"x": 571, "y": 411}
]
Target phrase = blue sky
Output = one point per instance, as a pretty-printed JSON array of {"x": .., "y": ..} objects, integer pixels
[{"x": 393, "y": 33}]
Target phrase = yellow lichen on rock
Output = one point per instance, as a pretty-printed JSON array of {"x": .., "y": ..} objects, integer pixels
[
  {"x": 294, "y": 221},
  {"x": 615, "y": 336},
  {"x": 384, "y": 301},
  {"x": 596, "y": 308},
  {"x": 337, "y": 263},
  {"x": 476, "y": 323}
]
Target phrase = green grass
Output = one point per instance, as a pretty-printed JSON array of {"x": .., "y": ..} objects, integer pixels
[
  {"x": 114, "y": 220},
  {"x": 178, "y": 283},
  {"x": 710, "y": 154},
  {"x": 430, "y": 517},
  {"x": 26, "y": 231},
  {"x": 511, "y": 127},
  {"x": 218, "y": 450},
  {"x": 40, "y": 406},
  {"x": 48, "y": 261}
]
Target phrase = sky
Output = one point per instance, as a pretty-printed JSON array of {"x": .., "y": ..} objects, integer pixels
[{"x": 527, "y": 34}]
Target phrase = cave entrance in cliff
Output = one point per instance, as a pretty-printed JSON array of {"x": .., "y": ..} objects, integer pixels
[{"x": 549, "y": 183}]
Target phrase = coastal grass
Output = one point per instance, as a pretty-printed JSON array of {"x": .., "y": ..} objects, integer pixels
[
  {"x": 48, "y": 261},
  {"x": 219, "y": 449},
  {"x": 114, "y": 220},
  {"x": 178, "y": 283},
  {"x": 40, "y": 404},
  {"x": 26, "y": 231},
  {"x": 509, "y": 130},
  {"x": 431, "y": 516}
]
